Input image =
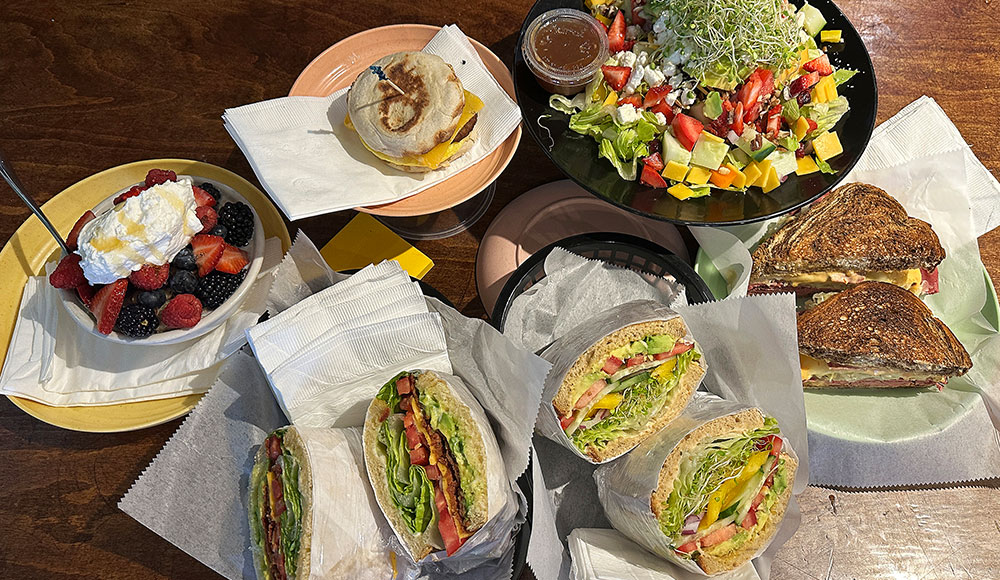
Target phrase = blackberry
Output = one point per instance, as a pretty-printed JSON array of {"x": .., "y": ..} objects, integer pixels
[
  {"x": 151, "y": 298},
  {"x": 183, "y": 281},
  {"x": 237, "y": 217},
  {"x": 184, "y": 260},
  {"x": 219, "y": 230},
  {"x": 137, "y": 321},
  {"x": 211, "y": 190},
  {"x": 217, "y": 287}
]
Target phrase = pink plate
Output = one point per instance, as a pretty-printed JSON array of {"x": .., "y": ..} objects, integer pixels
[
  {"x": 339, "y": 65},
  {"x": 547, "y": 214}
]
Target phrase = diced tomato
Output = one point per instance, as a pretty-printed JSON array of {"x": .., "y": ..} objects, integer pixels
[
  {"x": 612, "y": 365},
  {"x": 616, "y": 34},
  {"x": 565, "y": 422},
  {"x": 616, "y": 76},
  {"x": 819, "y": 65},
  {"x": 433, "y": 473},
  {"x": 588, "y": 396},
  {"x": 419, "y": 456},
  {"x": 776, "y": 444},
  {"x": 446, "y": 525},
  {"x": 758, "y": 500},
  {"x": 663, "y": 108},
  {"x": 803, "y": 83},
  {"x": 635, "y": 360},
  {"x": 929, "y": 281},
  {"x": 774, "y": 121},
  {"x": 634, "y": 100},
  {"x": 687, "y": 130},
  {"x": 655, "y": 95},
  {"x": 652, "y": 177},
  {"x": 812, "y": 124},
  {"x": 719, "y": 536},
  {"x": 737, "y": 126},
  {"x": 687, "y": 548},
  {"x": 412, "y": 437},
  {"x": 680, "y": 348},
  {"x": 404, "y": 386},
  {"x": 655, "y": 161},
  {"x": 749, "y": 521}
]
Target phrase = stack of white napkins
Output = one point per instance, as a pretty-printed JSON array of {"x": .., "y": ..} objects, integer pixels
[
  {"x": 52, "y": 360},
  {"x": 311, "y": 163},
  {"x": 327, "y": 356}
]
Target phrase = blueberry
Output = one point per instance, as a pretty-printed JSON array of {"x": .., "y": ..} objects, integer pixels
[
  {"x": 219, "y": 230},
  {"x": 183, "y": 281},
  {"x": 152, "y": 298},
  {"x": 184, "y": 260}
]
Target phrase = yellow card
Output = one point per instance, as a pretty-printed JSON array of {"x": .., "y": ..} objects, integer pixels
[{"x": 365, "y": 240}]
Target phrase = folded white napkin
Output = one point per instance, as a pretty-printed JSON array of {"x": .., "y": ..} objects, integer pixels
[
  {"x": 53, "y": 361},
  {"x": 311, "y": 163}
]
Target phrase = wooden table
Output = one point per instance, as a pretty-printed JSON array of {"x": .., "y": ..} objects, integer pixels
[{"x": 89, "y": 85}]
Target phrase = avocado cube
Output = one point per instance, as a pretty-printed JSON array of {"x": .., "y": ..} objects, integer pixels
[{"x": 709, "y": 152}]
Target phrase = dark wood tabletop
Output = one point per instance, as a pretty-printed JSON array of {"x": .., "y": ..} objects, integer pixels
[{"x": 89, "y": 85}]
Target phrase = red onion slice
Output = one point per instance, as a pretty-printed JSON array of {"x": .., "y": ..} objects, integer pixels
[{"x": 691, "y": 525}]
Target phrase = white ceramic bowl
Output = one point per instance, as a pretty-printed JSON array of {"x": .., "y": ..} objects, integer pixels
[{"x": 211, "y": 319}]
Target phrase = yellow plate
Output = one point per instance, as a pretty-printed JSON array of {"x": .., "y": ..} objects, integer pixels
[{"x": 25, "y": 254}]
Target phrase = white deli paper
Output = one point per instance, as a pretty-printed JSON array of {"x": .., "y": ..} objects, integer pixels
[
  {"x": 311, "y": 163},
  {"x": 751, "y": 347},
  {"x": 625, "y": 487},
  {"x": 536, "y": 317},
  {"x": 564, "y": 352},
  {"x": 53, "y": 361}
]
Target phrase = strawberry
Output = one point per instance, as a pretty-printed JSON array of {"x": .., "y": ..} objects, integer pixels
[
  {"x": 656, "y": 162},
  {"x": 134, "y": 191},
  {"x": 86, "y": 293},
  {"x": 207, "y": 252},
  {"x": 665, "y": 109},
  {"x": 74, "y": 234},
  {"x": 107, "y": 303},
  {"x": 616, "y": 76},
  {"x": 616, "y": 34},
  {"x": 150, "y": 277},
  {"x": 232, "y": 261},
  {"x": 803, "y": 83},
  {"x": 158, "y": 176},
  {"x": 202, "y": 197},
  {"x": 208, "y": 216},
  {"x": 655, "y": 95},
  {"x": 820, "y": 65},
  {"x": 68, "y": 274},
  {"x": 634, "y": 100},
  {"x": 183, "y": 311}
]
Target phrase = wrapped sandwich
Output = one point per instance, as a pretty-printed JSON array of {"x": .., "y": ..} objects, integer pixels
[
  {"x": 433, "y": 462},
  {"x": 614, "y": 384},
  {"x": 708, "y": 492},
  {"x": 303, "y": 530}
]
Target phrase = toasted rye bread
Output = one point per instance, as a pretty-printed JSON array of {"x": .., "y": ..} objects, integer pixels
[
  {"x": 857, "y": 227},
  {"x": 594, "y": 357},
  {"x": 876, "y": 324},
  {"x": 741, "y": 422}
]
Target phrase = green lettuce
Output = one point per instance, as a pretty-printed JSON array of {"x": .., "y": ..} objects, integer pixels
[
  {"x": 409, "y": 488},
  {"x": 640, "y": 402},
  {"x": 826, "y": 115},
  {"x": 824, "y": 166},
  {"x": 842, "y": 75},
  {"x": 291, "y": 520},
  {"x": 704, "y": 470},
  {"x": 564, "y": 104}
]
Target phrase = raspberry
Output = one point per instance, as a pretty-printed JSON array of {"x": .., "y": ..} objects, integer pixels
[
  {"x": 184, "y": 311},
  {"x": 158, "y": 176},
  {"x": 208, "y": 218},
  {"x": 136, "y": 190},
  {"x": 68, "y": 274},
  {"x": 150, "y": 277}
]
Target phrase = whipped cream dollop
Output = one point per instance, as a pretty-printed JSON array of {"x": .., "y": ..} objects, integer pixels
[{"x": 149, "y": 228}]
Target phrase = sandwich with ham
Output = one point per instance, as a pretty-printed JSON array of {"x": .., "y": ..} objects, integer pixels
[
  {"x": 430, "y": 453},
  {"x": 431, "y": 123}
]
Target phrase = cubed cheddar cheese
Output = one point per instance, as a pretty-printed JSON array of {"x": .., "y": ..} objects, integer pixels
[
  {"x": 739, "y": 178},
  {"x": 827, "y": 145},
  {"x": 751, "y": 172},
  {"x": 765, "y": 168},
  {"x": 723, "y": 177},
  {"x": 831, "y": 36},
  {"x": 680, "y": 191},
  {"x": 772, "y": 181},
  {"x": 698, "y": 175},
  {"x": 801, "y": 127},
  {"x": 806, "y": 165},
  {"x": 710, "y": 137},
  {"x": 675, "y": 171}
]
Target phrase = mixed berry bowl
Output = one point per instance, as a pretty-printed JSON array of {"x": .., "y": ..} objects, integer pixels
[{"x": 164, "y": 268}]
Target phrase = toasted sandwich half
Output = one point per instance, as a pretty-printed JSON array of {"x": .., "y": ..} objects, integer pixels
[
  {"x": 877, "y": 335},
  {"x": 855, "y": 234}
]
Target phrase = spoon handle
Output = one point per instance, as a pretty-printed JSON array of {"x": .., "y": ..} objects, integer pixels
[{"x": 11, "y": 178}]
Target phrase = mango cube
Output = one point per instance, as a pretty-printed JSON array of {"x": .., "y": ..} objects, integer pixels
[
  {"x": 772, "y": 182},
  {"x": 698, "y": 175},
  {"x": 801, "y": 127},
  {"x": 675, "y": 171},
  {"x": 739, "y": 178},
  {"x": 723, "y": 177},
  {"x": 827, "y": 145},
  {"x": 765, "y": 168},
  {"x": 680, "y": 191},
  {"x": 806, "y": 165},
  {"x": 710, "y": 137},
  {"x": 831, "y": 36},
  {"x": 751, "y": 172}
]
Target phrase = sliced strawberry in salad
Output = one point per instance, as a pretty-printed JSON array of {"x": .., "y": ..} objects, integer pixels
[
  {"x": 616, "y": 76},
  {"x": 616, "y": 34},
  {"x": 634, "y": 100},
  {"x": 803, "y": 83},
  {"x": 819, "y": 65},
  {"x": 656, "y": 162},
  {"x": 687, "y": 129},
  {"x": 656, "y": 95}
]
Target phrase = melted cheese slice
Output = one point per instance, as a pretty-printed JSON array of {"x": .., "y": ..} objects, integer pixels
[
  {"x": 439, "y": 154},
  {"x": 812, "y": 367},
  {"x": 906, "y": 279}
]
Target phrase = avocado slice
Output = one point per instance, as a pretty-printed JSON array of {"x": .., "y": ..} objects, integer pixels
[{"x": 745, "y": 143}]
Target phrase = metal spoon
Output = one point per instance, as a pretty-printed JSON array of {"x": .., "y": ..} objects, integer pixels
[{"x": 8, "y": 174}]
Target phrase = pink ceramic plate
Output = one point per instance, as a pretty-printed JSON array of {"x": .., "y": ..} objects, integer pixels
[
  {"x": 339, "y": 65},
  {"x": 547, "y": 214}
]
